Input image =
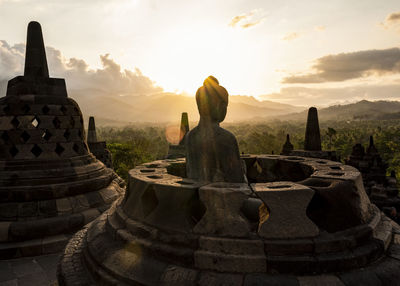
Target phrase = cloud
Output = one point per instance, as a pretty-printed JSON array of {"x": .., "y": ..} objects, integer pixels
[
  {"x": 346, "y": 66},
  {"x": 247, "y": 20},
  {"x": 394, "y": 17},
  {"x": 291, "y": 36},
  {"x": 320, "y": 28},
  {"x": 392, "y": 21},
  {"x": 108, "y": 80}
]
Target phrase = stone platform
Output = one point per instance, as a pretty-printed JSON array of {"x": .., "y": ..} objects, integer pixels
[
  {"x": 170, "y": 230},
  {"x": 30, "y": 271}
]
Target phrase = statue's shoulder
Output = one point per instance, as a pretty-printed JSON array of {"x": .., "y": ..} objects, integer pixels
[
  {"x": 225, "y": 133},
  {"x": 192, "y": 134}
]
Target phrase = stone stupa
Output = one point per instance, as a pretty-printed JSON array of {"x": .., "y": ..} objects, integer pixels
[
  {"x": 98, "y": 148},
  {"x": 312, "y": 140},
  {"x": 303, "y": 221},
  {"x": 288, "y": 146},
  {"x": 178, "y": 150},
  {"x": 50, "y": 184},
  {"x": 382, "y": 189}
]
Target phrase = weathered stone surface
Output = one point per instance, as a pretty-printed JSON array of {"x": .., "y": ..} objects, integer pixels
[
  {"x": 230, "y": 262},
  {"x": 223, "y": 217},
  {"x": 176, "y": 275},
  {"x": 383, "y": 232},
  {"x": 231, "y": 246},
  {"x": 301, "y": 264},
  {"x": 331, "y": 243},
  {"x": 287, "y": 203},
  {"x": 326, "y": 280},
  {"x": 221, "y": 279},
  {"x": 90, "y": 214},
  {"x": 289, "y": 247},
  {"x": 270, "y": 280},
  {"x": 4, "y": 227},
  {"x": 360, "y": 277},
  {"x": 338, "y": 204}
]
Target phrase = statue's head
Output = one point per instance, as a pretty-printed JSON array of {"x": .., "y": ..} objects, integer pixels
[{"x": 212, "y": 100}]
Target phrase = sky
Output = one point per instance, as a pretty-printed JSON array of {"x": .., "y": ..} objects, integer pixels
[{"x": 297, "y": 52}]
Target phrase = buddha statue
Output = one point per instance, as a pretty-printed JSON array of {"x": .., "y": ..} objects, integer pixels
[{"x": 212, "y": 153}]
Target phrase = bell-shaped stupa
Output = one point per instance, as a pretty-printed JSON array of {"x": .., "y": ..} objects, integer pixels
[{"x": 50, "y": 184}]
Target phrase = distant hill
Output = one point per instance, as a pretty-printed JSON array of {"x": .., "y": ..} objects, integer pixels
[
  {"x": 362, "y": 110},
  {"x": 167, "y": 107}
]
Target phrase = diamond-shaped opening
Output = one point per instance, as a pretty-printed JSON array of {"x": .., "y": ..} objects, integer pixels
[
  {"x": 26, "y": 108},
  {"x": 56, "y": 122},
  {"x": 72, "y": 122},
  {"x": 75, "y": 147},
  {"x": 36, "y": 150},
  {"x": 5, "y": 136},
  {"x": 15, "y": 122},
  {"x": 149, "y": 201},
  {"x": 45, "y": 109},
  {"x": 59, "y": 149},
  {"x": 6, "y": 109},
  {"x": 47, "y": 135},
  {"x": 63, "y": 109},
  {"x": 67, "y": 134},
  {"x": 35, "y": 122},
  {"x": 25, "y": 136},
  {"x": 13, "y": 151}
]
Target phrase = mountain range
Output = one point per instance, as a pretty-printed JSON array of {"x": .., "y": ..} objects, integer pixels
[{"x": 165, "y": 108}]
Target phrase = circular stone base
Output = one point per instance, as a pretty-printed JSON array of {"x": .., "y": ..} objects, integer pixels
[
  {"x": 169, "y": 230},
  {"x": 73, "y": 270}
]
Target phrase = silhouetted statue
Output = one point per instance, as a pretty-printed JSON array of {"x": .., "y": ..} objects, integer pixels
[
  {"x": 184, "y": 128},
  {"x": 313, "y": 138},
  {"x": 287, "y": 147},
  {"x": 212, "y": 152}
]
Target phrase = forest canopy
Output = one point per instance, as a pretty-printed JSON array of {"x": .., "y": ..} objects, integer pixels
[{"x": 134, "y": 145}]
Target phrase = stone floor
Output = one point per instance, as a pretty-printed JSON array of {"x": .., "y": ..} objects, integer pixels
[{"x": 32, "y": 271}]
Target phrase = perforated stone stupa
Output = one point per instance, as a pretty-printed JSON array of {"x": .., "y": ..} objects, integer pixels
[
  {"x": 98, "y": 148},
  {"x": 50, "y": 184},
  {"x": 299, "y": 221},
  {"x": 381, "y": 189}
]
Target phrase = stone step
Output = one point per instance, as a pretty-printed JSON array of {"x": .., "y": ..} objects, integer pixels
[
  {"x": 54, "y": 191},
  {"x": 34, "y": 247}
]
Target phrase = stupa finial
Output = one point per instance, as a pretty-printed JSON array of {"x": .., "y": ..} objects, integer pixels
[
  {"x": 35, "y": 56},
  {"x": 184, "y": 128},
  {"x": 92, "y": 135},
  {"x": 313, "y": 138}
]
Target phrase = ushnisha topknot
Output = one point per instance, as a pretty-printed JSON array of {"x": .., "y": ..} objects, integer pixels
[
  {"x": 210, "y": 80},
  {"x": 212, "y": 99}
]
